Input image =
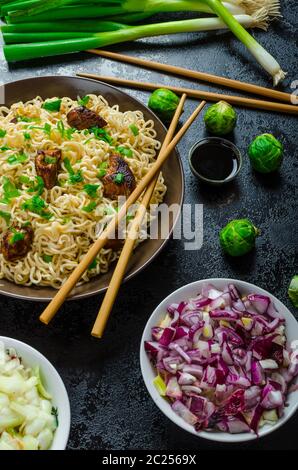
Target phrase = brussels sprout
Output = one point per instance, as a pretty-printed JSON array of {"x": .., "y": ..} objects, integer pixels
[
  {"x": 220, "y": 118},
  {"x": 265, "y": 153},
  {"x": 164, "y": 103},
  {"x": 238, "y": 237},
  {"x": 293, "y": 291}
]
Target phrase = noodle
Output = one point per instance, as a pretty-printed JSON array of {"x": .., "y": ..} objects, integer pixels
[{"x": 62, "y": 241}]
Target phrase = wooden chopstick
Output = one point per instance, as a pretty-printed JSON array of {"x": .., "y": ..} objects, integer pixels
[
  {"x": 198, "y": 94},
  {"x": 75, "y": 276},
  {"x": 187, "y": 73},
  {"x": 120, "y": 269}
]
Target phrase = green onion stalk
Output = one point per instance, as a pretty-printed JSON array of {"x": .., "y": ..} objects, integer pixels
[
  {"x": 257, "y": 20},
  {"x": 130, "y": 6},
  {"x": 34, "y": 7},
  {"x": 109, "y": 9},
  {"x": 16, "y": 52},
  {"x": 59, "y": 26}
]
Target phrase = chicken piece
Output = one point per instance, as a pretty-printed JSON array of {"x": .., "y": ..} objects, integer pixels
[
  {"x": 84, "y": 118},
  {"x": 119, "y": 179},
  {"x": 46, "y": 166},
  {"x": 16, "y": 242}
]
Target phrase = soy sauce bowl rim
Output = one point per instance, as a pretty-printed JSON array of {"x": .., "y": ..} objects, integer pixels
[{"x": 218, "y": 139}]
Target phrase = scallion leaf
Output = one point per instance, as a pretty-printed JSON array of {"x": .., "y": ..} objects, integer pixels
[
  {"x": 6, "y": 216},
  {"x": 17, "y": 158},
  {"x": 83, "y": 101},
  {"x": 9, "y": 190},
  {"x": 50, "y": 160},
  {"x": 101, "y": 134},
  {"x": 38, "y": 206},
  {"x": 91, "y": 189},
  {"x": 74, "y": 177},
  {"x": 102, "y": 169},
  {"x": 17, "y": 236},
  {"x": 90, "y": 207},
  {"x": 52, "y": 105},
  {"x": 134, "y": 129},
  {"x": 119, "y": 178},
  {"x": 2, "y": 133},
  {"x": 92, "y": 265},
  {"x": 47, "y": 258},
  {"x": 125, "y": 151}
]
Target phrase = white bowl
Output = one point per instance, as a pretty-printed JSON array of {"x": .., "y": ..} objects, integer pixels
[
  {"x": 53, "y": 384},
  {"x": 148, "y": 372}
]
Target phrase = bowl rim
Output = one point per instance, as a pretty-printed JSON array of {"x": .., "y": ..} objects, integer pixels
[
  {"x": 209, "y": 180},
  {"x": 164, "y": 406},
  {"x": 65, "y": 429},
  {"x": 83, "y": 295}
]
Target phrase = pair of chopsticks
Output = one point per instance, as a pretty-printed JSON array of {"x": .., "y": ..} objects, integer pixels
[
  {"x": 284, "y": 107},
  {"x": 148, "y": 181}
]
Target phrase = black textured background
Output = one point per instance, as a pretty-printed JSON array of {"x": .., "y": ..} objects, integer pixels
[{"x": 110, "y": 406}]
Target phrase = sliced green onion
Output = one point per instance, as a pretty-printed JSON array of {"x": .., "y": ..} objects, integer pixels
[
  {"x": 9, "y": 190},
  {"x": 17, "y": 158},
  {"x": 37, "y": 205},
  {"x": 91, "y": 189},
  {"x": 6, "y": 216},
  {"x": 74, "y": 177},
  {"x": 52, "y": 105},
  {"x": 134, "y": 129},
  {"x": 47, "y": 258},
  {"x": 92, "y": 265},
  {"x": 83, "y": 101},
  {"x": 125, "y": 151},
  {"x": 119, "y": 178},
  {"x": 90, "y": 207}
]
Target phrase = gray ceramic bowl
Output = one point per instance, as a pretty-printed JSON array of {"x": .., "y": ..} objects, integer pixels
[{"x": 45, "y": 87}]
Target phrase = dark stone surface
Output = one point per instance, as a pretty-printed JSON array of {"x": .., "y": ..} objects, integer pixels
[{"x": 110, "y": 406}]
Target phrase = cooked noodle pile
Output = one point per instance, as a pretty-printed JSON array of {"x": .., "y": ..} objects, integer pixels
[{"x": 63, "y": 229}]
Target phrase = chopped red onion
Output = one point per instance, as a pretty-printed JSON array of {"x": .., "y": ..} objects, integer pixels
[{"x": 224, "y": 359}]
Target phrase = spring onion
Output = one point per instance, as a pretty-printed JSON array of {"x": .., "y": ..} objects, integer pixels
[
  {"x": 134, "y": 129},
  {"x": 47, "y": 258},
  {"x": 90, "y": 207},
  {"x": 6, "y": 216},
  {"x": 17, "y": 236},
  {"x": 74, "y": 177},
  {"x": 9, "y": 190},
  {"x": 124, "y": 151},
  {"x": 119, "y": 178},
  {"x": 38, "y": 206},
  {"x": 52, "y": 105},
  {"x": 15, "y": 52},
  {"x": 58, "y": 26},
  {"x": 83, "y": 101},
  {"x": 101, "y": 134},
  {"x": 102, "y": 169},
  {"x": 17, "y": 159},
  {"x": 91, "y": 189}
]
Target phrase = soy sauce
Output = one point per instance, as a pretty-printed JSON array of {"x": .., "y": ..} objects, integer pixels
[{"x": 215, "y": 160}]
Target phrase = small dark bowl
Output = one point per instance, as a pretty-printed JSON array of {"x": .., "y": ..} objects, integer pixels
[{"x": 213, "y": 140}]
